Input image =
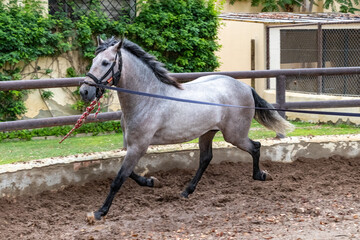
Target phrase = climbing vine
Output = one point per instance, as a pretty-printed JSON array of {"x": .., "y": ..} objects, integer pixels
[
  {"x": 25, "y": 34},
  {"x": 344, "y": 6},
  {"x": 182, "y": 34},
  {"x": 12, "y": 104}
]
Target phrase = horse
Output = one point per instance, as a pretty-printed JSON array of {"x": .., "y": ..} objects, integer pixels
[{"x": 152, "y": 121}]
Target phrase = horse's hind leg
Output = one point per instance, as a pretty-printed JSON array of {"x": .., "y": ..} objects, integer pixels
[
  {"x": 252, "y": 147},
  {"x": 257, "y": 173},
  {"x": 205, "y": 144},
  {"x": 143, "y": 181}
]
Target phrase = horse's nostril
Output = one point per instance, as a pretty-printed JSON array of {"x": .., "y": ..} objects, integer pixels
[{"x": 86, "y": 92}]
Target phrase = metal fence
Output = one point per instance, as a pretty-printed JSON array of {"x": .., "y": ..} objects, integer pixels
[
  {"x": 318, "y": 45},
  {"x": 280, "y": 75},
  {"x": 114, "y": 9}
]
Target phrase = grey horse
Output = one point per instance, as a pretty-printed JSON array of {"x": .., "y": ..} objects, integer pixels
[{"x": 150, "y": 121}]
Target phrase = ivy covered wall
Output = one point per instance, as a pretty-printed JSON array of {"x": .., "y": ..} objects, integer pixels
[{"x": 33, "y": 44}]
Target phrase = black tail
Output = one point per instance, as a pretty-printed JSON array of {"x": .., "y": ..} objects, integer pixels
[{"x": 270, "y": 119}]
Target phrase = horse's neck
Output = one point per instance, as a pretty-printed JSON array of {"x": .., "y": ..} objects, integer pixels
[{"x": 137, "y": 76}]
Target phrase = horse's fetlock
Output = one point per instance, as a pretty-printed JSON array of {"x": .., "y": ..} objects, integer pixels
[
  {"x": 192, "y": 188},
  {"x": 150, "y": 182}
]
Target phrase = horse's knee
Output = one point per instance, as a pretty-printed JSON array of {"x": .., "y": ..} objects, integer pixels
[
  {"x": 256, "y": 144},
  {"x": 255, "y": 151}
]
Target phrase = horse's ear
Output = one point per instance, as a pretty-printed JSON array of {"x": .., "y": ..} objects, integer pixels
[
  {"x": 100, "y": 41},
  {"x": 119, "y": 45}
]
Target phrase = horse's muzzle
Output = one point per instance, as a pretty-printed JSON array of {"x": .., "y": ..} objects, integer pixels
[{"x": 88, "y": 93}]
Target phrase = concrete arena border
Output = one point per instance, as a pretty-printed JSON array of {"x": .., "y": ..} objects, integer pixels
[{"x": 33, "y": 177}]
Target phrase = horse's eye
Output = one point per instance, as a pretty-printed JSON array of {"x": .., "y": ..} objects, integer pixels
[{"x": 105, "y": 63}]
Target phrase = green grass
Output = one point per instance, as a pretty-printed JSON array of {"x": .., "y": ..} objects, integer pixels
[
  {"x": 13, "y": 151},
  {"x": 307, "y": 129}
]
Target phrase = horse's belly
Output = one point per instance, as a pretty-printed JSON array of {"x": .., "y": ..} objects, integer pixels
[
  {"x": 184, "y": 132},
  {"x": 173, "y": 137}
]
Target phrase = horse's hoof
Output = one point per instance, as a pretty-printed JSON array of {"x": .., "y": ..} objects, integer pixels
[
  {"x": 92, "y": 217},
  {"x": 268, "y": 176},
  {"x": 156, "y": 182},
  {"x": 185, "y": 194},
  {"x": 262, "y": 176}
]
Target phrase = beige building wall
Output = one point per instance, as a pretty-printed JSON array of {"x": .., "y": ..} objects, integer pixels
[
  {"x": 63, "y": 98},
  {"x": 240, "y": 6},
  {"x": 60, "y": 103},
  {"x": 245, "y": 7},
  {"x": 235, "y": 53}
]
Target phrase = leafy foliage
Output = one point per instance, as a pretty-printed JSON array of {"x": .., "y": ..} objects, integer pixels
[
  {"x": 12, "y": 104},
  {"x": 95, "y": 23},
  {"x": 346, "y": 6},
  {"x": 274, "y": 5},
  {"x": 182, "y": 34},
  {"x": 46, "y": 94},
  {"x": 25, "y": 34},
  {"x": 94, "y": 128}
]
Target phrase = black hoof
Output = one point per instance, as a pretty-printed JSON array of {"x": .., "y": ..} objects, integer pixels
[
  {"x": 185, "y": 194},
  {"x": 98, "y": 215},
  {"x": 93, "y": 216},
  {"x": 262, "y": 176}
]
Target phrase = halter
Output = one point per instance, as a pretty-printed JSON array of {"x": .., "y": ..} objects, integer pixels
[{"x": 113, "y": 79}]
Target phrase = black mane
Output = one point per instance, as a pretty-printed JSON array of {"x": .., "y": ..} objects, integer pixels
[{"x": 157, "y": 67}]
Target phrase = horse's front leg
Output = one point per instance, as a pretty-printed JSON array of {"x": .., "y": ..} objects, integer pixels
[
  {"x": 131, "y": 159},
  {"x": 205, "y": 144},
  {"x": 123, "y": 126}
]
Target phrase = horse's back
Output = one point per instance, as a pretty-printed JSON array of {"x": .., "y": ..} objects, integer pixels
[
  {"x": 211, "y": 79},
  {"x": 225, "y": 89}
]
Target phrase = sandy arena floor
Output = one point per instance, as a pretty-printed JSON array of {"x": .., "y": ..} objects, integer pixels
[{"x": 308, "y": 199}]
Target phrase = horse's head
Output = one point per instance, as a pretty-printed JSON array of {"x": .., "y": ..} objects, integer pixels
[{"x": 105, "y": 69}]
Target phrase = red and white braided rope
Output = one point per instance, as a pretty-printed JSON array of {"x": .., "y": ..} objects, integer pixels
[{"x": 83, "y": 117}]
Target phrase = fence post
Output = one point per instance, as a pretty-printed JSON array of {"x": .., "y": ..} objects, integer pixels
[
  {"x": 280, "y": 97},
  {"x": 280, "y": 92},
  {"x": 252, "y": 61},
  {"x": 320, "y": 57}
]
